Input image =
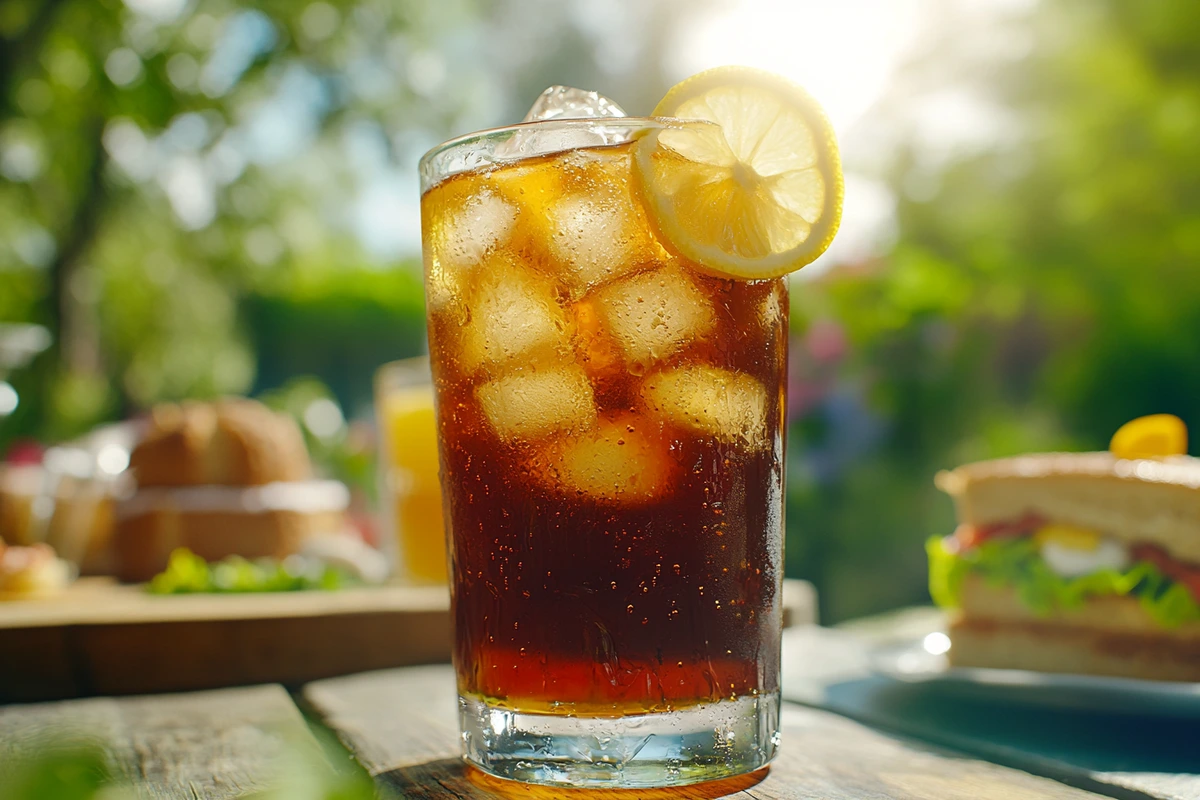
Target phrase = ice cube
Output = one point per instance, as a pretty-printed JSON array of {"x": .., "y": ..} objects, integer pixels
[
  {"x": 535, "y": 186},
  {"x": 565, "y": 101},
  {"x": 464, "y": 237},
  {"x": 586, "y": 239},
  {"x": 729, "y": 406},
  {"x": 513, "y": 314},
  {"x": 529, "y": 187},
  {"x": 623, "y": 460},
  {"x": 563, "y": 104},
  {"x": 596, "y": 351},
  {"x": 599, "y": 235},
  {"x": 530, "y": 405},
  {"x": 459, "y": 240},
  {"x": 577, "y": 213},
  {"x": 653, "y": 314},
  {"x": 443, "y": 290},
  {"x": 774, "y": 314}
]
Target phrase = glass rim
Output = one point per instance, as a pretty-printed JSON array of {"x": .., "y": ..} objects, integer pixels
[
  {"x": 430, "y": 174},
  {"x": 556, "y": 122},
  {"x": 405, "y": 372}
]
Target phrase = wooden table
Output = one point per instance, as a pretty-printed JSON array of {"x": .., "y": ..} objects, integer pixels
[
  {"x": 102, "y": 638},
  {"x": 847, "y": 737}
]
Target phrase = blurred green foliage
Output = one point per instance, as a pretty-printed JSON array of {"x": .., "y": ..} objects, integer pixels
[
  {"x": 184, "y": 185},
  {"x": 142, "y": 207},
  {"x": 1044, "y": 287},
  {"x": 339, "y": 325},
  {"x": 340, "y": 451},
  {"x": 64, "y": 767},
  {"x": 69, "y": 771}
]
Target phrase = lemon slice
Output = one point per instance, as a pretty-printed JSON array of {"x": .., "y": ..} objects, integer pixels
[
  {"x": 758, "y": 194},
  {"x": 1155, "y": 436}
]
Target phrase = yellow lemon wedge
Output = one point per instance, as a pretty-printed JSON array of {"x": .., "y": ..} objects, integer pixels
[
  {"x": 1155, "y": 436},
  {"x": 757, "y": 194}
]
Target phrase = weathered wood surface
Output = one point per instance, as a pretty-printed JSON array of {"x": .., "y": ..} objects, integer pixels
[
  {"x": 102, "y": 601},
  {"x": 1125, "y": 755},
  {"x": 100, "y": 638},
  {"x": 402, "y": 726},
  {"x": 212, "y": 745}
]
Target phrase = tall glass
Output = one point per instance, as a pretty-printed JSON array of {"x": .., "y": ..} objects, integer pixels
[
  {"x": 410, "y": 494},
  {"x": 610, "y": 429}
]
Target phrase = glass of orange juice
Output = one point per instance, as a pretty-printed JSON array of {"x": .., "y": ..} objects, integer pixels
[{"x": 410, "y": 494}]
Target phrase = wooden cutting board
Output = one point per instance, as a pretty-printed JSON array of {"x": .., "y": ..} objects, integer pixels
[
  {"x": 103, "y": 638},
  {"x": 99, "y": 637}
]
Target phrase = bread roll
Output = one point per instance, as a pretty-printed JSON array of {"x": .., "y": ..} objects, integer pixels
[
  {"x": 234, "y": 442},
  {"x": 218, "y": 521},
  {"x": 221, "y": 479}
]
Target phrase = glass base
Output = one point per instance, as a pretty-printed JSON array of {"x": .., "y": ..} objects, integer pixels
[{"x": 670, "y": 748}]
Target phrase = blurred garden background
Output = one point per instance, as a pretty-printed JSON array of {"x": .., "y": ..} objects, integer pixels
[{"x": 205, "y": 197}]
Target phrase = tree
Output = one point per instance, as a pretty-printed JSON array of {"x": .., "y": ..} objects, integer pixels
[
  {"x": 162, "y": 161},
  {"x": 1045, "y": 284}
]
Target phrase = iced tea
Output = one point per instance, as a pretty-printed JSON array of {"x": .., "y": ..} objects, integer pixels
[{"x": 610, "y": 421}]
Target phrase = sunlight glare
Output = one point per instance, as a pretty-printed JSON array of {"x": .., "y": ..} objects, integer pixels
[{"x": 843, "y": 52}]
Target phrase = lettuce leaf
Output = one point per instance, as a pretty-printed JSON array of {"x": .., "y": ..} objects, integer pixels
[
  {"x": 1016, "y": 562},
  {"x": 188, "y": 573}
]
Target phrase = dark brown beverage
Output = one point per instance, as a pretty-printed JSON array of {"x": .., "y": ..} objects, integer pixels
[{"x": 610, "y": 426}]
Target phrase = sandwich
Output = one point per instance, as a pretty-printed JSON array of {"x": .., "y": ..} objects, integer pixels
[{"x": 1077, "y": 562}]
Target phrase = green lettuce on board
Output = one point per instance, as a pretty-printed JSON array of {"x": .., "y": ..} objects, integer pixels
[{"x": 188, "y": 573}]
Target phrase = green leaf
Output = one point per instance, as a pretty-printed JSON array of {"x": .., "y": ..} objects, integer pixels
[
  {"x": 188, "y": 573},
  {"x": 946, "y": 573},
  {"x": 1018, "y": 563}
]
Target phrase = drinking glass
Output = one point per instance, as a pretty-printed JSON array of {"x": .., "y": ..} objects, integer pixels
[
  {"x": 410, "y": 495},
  {"x": 610, "y": 421}
]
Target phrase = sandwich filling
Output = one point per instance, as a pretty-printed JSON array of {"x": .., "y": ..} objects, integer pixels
[{"x": 1057, "y": 566}]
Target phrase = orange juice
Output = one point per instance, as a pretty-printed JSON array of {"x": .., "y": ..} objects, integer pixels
[{"x": 412, "y": 494}]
